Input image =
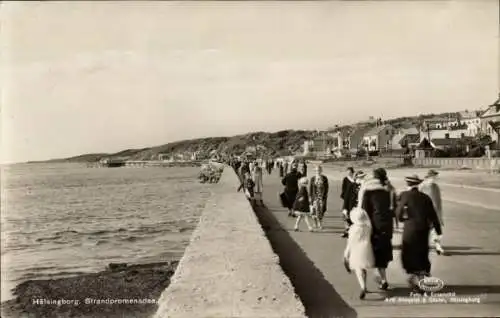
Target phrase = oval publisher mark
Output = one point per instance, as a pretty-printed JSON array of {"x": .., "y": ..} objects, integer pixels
[{"x": 431, "y": 284}]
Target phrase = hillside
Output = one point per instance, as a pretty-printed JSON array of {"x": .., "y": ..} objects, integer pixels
[{"x": 283, "y": 142}]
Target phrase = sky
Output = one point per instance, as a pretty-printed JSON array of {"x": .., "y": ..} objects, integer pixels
[{"x": 91, "y": 77}]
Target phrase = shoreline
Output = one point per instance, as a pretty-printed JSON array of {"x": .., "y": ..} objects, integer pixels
[{"x": 89, "y": 295}]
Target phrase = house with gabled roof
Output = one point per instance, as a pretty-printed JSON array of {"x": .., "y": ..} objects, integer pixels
[
  {"x": 355, "y": 138},
  {"x": 405, "y": 136},
  {"x": 379, "y": 138}
]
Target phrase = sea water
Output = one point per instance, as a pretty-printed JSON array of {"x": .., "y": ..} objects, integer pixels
[{"x": 65, "y": 219}]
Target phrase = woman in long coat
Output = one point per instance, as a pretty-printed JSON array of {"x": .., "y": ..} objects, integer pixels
[
  {"x": 291, "y": 183},
  {"x": 417, "y": 212},
  {"x": 318, "y": 190},
  {"x": 376, "y": 196}
]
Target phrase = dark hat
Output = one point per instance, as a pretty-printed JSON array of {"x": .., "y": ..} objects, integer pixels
[
  {"x": 413, "y": 180},
  {"x": 432, "y": 173},
  {"x": 380, "y": 174}
]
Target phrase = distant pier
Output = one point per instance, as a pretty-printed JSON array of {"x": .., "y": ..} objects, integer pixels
[{"x": 143, "y": 163}]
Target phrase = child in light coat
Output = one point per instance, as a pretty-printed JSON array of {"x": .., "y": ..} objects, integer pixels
[{"x": 358, "y": 254}]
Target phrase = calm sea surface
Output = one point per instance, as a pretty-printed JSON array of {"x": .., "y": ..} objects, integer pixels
[{"x": 64, "y": 219}]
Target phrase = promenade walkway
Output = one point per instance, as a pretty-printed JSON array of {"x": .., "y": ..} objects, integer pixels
[{"x": 313, "y": 262}]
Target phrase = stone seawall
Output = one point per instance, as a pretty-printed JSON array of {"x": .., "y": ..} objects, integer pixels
[{"x": 229, "y": 268}]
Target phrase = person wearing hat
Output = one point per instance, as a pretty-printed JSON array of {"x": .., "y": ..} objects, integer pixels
[
  {"x": 431, "y": 188},
  {"x": 417, "y": 212},
  {"x": 291, "y": 183},
  {"x": 351, "y": 199},
  {"x": 375, "y": 197}
]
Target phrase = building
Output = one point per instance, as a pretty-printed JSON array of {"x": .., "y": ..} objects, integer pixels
[
  {"x": 320, "y": 145},
  {"x": 440, "y": 122},
  {"x": 379, "y": 138},
  {"x": 401, "y": 135},
  {"x": 493, "y": 130},
  {"x": 492, "y": 113},
  {"x": 452, "y": 131},
  {"x": 490, "y": 120},
  {"x": 355, "y": 138},
  {"x": 470, "y": 118}
]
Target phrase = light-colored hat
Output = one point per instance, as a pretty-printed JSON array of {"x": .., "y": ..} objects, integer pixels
[{"x": 359, "y": 174}]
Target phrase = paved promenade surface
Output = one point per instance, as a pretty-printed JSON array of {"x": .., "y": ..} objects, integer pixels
[{"x": 313, "y": 261}]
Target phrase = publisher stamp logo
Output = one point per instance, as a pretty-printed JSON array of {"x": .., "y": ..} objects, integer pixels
[{"x": 431, "y": 284}]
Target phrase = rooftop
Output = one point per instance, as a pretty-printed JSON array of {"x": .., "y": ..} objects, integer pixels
[{"x": 468, "y": 115}]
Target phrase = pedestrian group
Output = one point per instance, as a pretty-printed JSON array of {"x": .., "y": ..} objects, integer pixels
[{"x": 371, "y": 210}]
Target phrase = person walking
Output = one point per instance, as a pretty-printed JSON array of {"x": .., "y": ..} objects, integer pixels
[
  {"x": 290, "y": 181},
  {"x": 358, "y": 253},
  {"x": 248, "y": 185},
  {"x": 417, "y": 212},
  {"x": 303, "y": 168},
  {"x": 318, "y": 190},
  {"x": 258, "y": 181},
  {"x": 301, "y": 206},
  {"x": 285, "y": 167},
  {"x": 431, "y": 188},
  {"x": 376, "y": 196},
  {"x": 351, "y": 199},
  {"x": 281, "y": 168},
  {"x": 347, "y": 182}
]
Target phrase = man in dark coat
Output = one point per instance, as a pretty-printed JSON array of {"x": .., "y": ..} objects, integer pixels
[
  {"x": 417, "y": 212},
  {"x": 351, "y": 199},
  {"x": 291, "y": 183}
]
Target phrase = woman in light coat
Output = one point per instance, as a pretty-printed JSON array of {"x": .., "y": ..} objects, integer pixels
[{"x": 257, "y": 179}]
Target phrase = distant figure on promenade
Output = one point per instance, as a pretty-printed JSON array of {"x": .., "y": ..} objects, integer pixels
[
  {"x": 431, "y": 188},
  {"x": 358, "y": 254},
  {"x": 290, "y": 181},
  {"x": 301, "y": 206},
  {"x": 318, "y": 190},
  {"x": 248, "y": 185},
  {"x": 244, "y": 168},
  {"x": 257, "y": 179},
  {"x": 270, "y": 164},
  {"x": 303, "y": 168},
  {"x": 376, "y": 197},
  {"x": 281, "y": 168},
  {"x": 251, "y": 166},
  {"x": 417, "y": 212},
  {"x": 351, "y": 199},
  {"x": 347, "y": 183}
]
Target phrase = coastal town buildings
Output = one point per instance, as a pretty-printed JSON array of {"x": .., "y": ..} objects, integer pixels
[
  {"x": 356, "y": 137},
  {"x": 405, "y": 137},
  {"x": 379, "y": 138}
]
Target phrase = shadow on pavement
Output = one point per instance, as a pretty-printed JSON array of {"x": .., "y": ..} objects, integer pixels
[{"x": 317, "y": 295}]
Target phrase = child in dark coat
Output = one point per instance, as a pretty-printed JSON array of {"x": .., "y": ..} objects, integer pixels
[{"x": 301, "y": 205}]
